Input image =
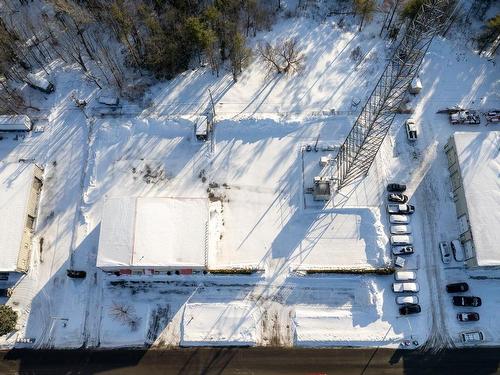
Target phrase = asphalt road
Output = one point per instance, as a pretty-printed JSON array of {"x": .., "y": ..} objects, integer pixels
[{"x": 251, "y": 361}]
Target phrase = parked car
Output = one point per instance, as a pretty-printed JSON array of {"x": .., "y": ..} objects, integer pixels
[
  {"x": 400, "y": 208},
  {"x": 470, "y": 301},
  {"x": 409, "y": 309},
  {"x": 5, "y": 293},
  {"x": 474, "y": 336},
  {"x": 397, "y": 197},
  {"x": 411, "y": 130},
  {"x": 401, "y": 240},
  {"x": 405, "y": 275},
  {"x": 468, "y": 317},
  {"x": 405, "y": 287},
  {"x": 458, "y": 251},
  {"x": 493, "y": 116},
  {"x": 465, "y": 117},
  {"x": 74, "y": 274},
  {"x": 399, "y": 219},
  {"x": 457, "y": 287},
  {"x": 402, "y": 300},
  {"x": 403, "y": 250},
  {"x": 400, "y": 229},
  {"x": 396, "y": 187},
  {"x": 445, "y": 252}
]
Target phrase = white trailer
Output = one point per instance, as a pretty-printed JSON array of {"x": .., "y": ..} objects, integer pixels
[
  {"x": 40, "y": 83},
  {"x": 15, "y": 123},
  {"x": 202, "y": 128}
]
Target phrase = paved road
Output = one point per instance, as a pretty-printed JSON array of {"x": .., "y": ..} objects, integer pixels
[{"x": 252, "y": 361}]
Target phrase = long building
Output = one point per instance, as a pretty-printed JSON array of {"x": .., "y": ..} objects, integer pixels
[
  {"x": 146, "y": 236},
  {"x": 20, "y": 189},
  {"x": 474, "y": 165}
]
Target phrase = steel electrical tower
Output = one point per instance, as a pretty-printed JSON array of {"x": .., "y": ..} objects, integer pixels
[{"x": 358, "y": 151}]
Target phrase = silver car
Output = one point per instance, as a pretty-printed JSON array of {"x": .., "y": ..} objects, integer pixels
[
  {"x": 401, "y": 300},
  {"x": 445, "y": 252}
]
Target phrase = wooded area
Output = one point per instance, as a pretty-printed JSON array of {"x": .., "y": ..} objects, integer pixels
[{"x": 125, "y": 43}]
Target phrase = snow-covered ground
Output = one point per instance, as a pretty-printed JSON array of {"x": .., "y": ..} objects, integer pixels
[{"x": 261, "y": 218}]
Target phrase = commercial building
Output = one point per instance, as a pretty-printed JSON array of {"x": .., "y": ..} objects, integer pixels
[
  {"x": 474, "y": 165},
  {"x": 153, "y": 235},
  {"x": 20, "y": 189}
]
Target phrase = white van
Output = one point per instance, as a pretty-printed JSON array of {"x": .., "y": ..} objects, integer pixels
[
  {"x": 405, "y": 287},
  {"x": 405, "y": 275},
  {"x": 400, "y": 229},
  {"x": 401, "y": 240}
]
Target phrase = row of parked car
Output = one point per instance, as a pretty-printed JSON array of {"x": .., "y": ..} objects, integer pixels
[
  {"x": 466, "y": 316},
  {"x": 401, "y": 241}
]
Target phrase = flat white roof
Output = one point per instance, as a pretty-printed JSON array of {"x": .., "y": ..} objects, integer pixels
[
  {"x": 153, "y": 232},
  {"x": 479, "y": 158},
  {"x": 16, "y": 180}
]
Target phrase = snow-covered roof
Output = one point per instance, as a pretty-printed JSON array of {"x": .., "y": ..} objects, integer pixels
[
  {"x": 152, "y": 232},
  {"x": 16, "y": 181},
  {"x": 479, "y": 159}
]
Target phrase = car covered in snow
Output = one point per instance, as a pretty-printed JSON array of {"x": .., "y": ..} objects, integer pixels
[
  {"x": 411, "y": 130},
  {"x": 470, "y": 301},
  {"x": 474, "y": 336},
  {"x": 405, "y": 275},
  {"x": 401, "y": 240},
  {"x": 396, "y": 187},
  {"x": 403, "y": 250},
  {"x": 397, "y": 198},
  {"x": 393, "y": 208},
  {"x": 457, "y": 250},
  {"x": 403, "y": 287},
  {"x": 399, "y": 219},
  {"x": 468, "y": 317},
  {"x": 465, "y": 117},
  {"x": 400, "y": 229},
  {"x": 402, "y": 300},
  {"x": 445, "y": 252},
  {"x": 409, "y": 309},
  {"x": 457, "y": 287}
]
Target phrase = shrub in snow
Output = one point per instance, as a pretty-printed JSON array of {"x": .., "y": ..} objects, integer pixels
[
  {"x": 126, "y": 315},
  {"x": 8, "y": 319}
]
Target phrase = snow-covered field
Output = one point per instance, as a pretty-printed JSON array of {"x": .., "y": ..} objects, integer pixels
[{"x": 260, "y": 216}]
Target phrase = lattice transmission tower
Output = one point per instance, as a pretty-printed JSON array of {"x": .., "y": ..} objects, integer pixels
[{"x": 358, "y": 151}]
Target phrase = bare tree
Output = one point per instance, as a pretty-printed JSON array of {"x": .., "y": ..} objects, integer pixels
[
  {"x": 284, "y": 57},
  {"x": 125, "y": 314}
]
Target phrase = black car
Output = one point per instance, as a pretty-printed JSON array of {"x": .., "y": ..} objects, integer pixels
[
  {"x": 403, "y": 250},
  {"x": 396, "y": 187},
  {"x": 457, "y": 287},
  {"x": 409, "y": 308},
  {"x": 467, "y": 301},
  {"x": 74, "y": 274},
  {"x": 468, "y": 317},
  {"x": 398, "y": 198}
]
